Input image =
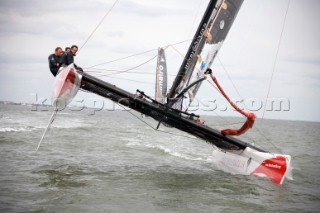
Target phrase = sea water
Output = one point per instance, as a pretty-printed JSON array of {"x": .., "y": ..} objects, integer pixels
[{"x": 113, "y": 162}]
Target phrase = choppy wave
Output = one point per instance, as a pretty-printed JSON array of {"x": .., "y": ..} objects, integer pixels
[
  {"x": 168, "y": 151},
  {"x": 19, "y": 129},
  {"x": 86, "y": 167},
  {"x": 35, "y": 128}
]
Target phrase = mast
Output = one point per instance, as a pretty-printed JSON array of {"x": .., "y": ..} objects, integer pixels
[{"x": 185, "y": 66}]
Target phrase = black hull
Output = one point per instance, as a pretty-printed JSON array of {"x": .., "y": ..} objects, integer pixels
[{"x": 162, "y": 113}]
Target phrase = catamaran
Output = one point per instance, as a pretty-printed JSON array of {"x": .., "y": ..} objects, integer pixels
[{"x": 166, "y": 108}]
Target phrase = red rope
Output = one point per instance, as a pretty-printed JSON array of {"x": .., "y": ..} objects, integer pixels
[{"x": 250, "y": 116}]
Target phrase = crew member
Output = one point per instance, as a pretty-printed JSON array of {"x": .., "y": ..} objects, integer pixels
[
  {"x": 69, "y": 57},
  {"x": 67, "y": 49},
  {"x": 55, "y": 61},
  {"x": 64, "y": 54}
]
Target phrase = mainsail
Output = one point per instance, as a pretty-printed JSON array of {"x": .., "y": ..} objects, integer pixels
[
  {"x": 161, "y": 77},
  {"x": 205, "y": 45}
]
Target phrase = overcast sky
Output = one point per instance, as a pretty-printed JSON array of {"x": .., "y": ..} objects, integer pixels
[{"x": 30, "y": 30}]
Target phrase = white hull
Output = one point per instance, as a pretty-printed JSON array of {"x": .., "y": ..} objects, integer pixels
[{"x": 252, "y": 162}]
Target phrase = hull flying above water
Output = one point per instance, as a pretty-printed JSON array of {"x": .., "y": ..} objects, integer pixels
[{"x": 232, "y": 154}]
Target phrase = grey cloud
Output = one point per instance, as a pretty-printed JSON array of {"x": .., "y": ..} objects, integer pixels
[
  {"x": 20, "y": 58},
  {"x": 37, "y": 8},
  {"x": 134, "y": 8},
  {"x": 117, "y": 34},
  {"x": 12, "y": 22},
  {"x": 303, "y": 58},
  {"x": 33, "y": 8}
]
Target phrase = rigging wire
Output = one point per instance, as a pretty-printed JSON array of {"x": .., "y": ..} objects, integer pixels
[
  {"x": 233, "y": 84},
  {"x": 175, "y": 49},
  {"x": 194, "y": 20},
  {"x": 132, "y": 68},
  {"x": 127, "y": 79},
  {"x": 99, "y": 71},
  {"x": 120, "y": 59},
  {"x": 270, "y": 82},
  {"x": 95, "y": 29},
  {"x": 115, "y": 72},
  {"x": 276, "y": 59},
  {"x": 106, "y": 70},
  {"x": 140, "y": 53}
]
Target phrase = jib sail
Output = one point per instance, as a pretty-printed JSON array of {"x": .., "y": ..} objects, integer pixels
[{"x": 161, "y": 77}]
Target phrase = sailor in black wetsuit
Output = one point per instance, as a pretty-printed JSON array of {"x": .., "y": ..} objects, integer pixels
[
  {"x": 66, "y": 50},
  {"x": 55, "y": 61},
  {"x": 68, "y": 58}
]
